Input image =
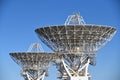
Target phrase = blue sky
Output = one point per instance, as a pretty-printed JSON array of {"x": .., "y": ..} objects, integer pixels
[{"x": 19, "y": 19}]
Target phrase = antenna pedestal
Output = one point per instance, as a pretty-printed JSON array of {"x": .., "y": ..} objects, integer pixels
[
  {"x": 80, "y": 74},
  {"x": 30, "y": 76},
  {"x": 74, "y": 67}
]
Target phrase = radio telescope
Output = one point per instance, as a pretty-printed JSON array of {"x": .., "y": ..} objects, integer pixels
[
  {"x": 76, "y": 43},
  {"x": 34, "y": 62}
]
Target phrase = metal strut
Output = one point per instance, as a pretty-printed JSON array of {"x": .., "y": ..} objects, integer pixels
[
  {"x": 80, "y": 74},
  {"x": 28, "y": 76},
  {"x": 35, "y": 47}
]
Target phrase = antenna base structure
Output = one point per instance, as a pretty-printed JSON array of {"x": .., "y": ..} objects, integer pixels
[
  {"x": 27, "y": 76},
  {"x": 75, "y": 66}
]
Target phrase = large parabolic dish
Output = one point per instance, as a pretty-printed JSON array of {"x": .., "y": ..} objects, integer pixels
[
  {"x": 30, "y": 60},
  {"x": 80, "y": 38},
  {"x": 33, "y": 64}
]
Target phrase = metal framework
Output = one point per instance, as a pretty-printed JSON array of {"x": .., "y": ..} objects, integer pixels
[
  {"x": 35, "y": 47},
  {"x": 34, "y": 63},
  {"x": 74, "y": 19},
  {"x": 78, "y": 43},
  {"x": 74, "y": 67}
]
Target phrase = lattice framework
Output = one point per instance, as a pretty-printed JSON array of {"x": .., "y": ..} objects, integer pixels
[
  {"x": 75, "y": 38},
  {"x": 33, "y": 64}
]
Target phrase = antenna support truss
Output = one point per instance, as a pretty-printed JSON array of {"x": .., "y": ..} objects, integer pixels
[
  {"x": 74, "y": 19},
  {"x": 35, "y": 47}
]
